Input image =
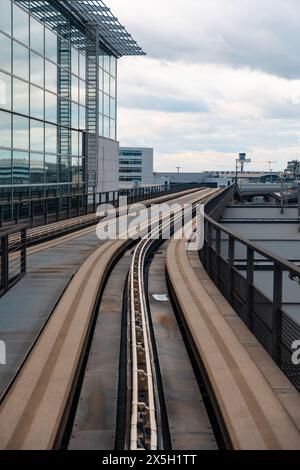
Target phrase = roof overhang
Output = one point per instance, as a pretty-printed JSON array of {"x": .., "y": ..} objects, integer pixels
[{"x": 94, "y": 13}]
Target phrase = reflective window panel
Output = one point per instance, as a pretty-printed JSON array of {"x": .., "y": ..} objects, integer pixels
[
  {"x": 36, "y": 135},
  {"x": 50, "y": 107},
  {"x": 36, "y": 69},
  {"x": 36, "y": 36},
  {"x": 20, "y": 167},
  {"x": 20, "y": 96},
  {"x": 20, "y": 132},
  {"x": 5, "y": 167},
  {"x": 5, "y": 43},
  {"x": 50, "y": 76},
  {"x": 50, "y": 168},
  {"x": 20, "y": 24},
  {"x": 106, "y": 127},
  {"x": 5, "y": 91},
  {"x": 50, "y": 138},
  {"x": 5, "y": 129},
  {"x": 37, "y": 169},
  {"x": 5, "y": 17},
  {"x": 50, "y": 45},
  {"x": 20, "y": 61},
  {"x": 36, "y": 102}
]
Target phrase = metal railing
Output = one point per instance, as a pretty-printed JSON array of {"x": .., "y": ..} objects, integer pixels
[
  {"x": 41, "y": 211},
  {"x": 12, "y": 257},
  {"x": 234, "y": 275}
]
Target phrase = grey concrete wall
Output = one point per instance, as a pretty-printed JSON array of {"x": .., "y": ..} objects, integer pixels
[{"x": 108, "y": 165}]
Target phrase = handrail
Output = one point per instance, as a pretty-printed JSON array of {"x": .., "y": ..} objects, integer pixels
[
  {"x": 280, "y": 261},
  {"x": 266, "y": 317}
]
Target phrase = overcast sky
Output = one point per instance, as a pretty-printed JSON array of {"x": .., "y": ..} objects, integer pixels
[{"x": 220, "y": 77}]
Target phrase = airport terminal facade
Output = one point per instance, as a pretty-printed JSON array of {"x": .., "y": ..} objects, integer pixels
[{"x": 58, "y": 97}]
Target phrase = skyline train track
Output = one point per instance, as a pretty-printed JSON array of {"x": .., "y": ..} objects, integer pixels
[
  {"x": 47, "y": 379},
  {"x": 139, "y": 354}
]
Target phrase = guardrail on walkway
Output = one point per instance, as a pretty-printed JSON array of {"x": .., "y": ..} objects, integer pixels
[
  {"x": 275, "y": 329},
  {"x": 12, "y": 257},
  {"x": 41, "y": 211}
]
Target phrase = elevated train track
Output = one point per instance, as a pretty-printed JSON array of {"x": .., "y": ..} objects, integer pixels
[
  {"x": 53, "y": 401},
  {"x": 35, "y": 408}
]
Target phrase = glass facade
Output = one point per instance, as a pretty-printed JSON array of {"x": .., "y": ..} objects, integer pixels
[{"x": 44, "y": 106}]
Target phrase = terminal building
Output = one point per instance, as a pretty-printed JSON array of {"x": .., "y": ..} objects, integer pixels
[
  {"x": 136, "y": 167},
  {"x": 58, "y": 99}
]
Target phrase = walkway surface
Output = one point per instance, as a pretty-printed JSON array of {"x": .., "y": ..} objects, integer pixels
[{"x": 25, "y": 308}]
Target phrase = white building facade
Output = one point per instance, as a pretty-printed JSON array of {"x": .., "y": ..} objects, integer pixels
[{"x": 135, "y": 167}]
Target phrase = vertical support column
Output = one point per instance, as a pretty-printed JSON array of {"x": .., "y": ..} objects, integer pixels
[
  {"x": 277, "y": 306},
  {"x": 250, "y": 290},
  {"x": 92, "y": 105},
  {"x": 231, "y": 254},
  {"x": 1, "y": 216},
  {"x": 64, "y": 139}
]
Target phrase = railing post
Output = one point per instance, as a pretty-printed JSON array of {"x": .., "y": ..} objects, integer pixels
[
  {"x": 17, "y": 212},
  {"x": 57, "y": 208},
  {"x": 172, "y": 224},
  {"x": 46, "y": 208},
  {"x": 32, "y": 213},
  {"x": 78, "y": 204},
  {"x": 4, "y": 261},
  {"x": 277, "y": 306},
  {"x": 218, "y": 254},
  {"x": 23, "y": 251},
  {"x": 209, "y": 245},
  {"x": 94, "y": 203},
  {"x": 86, "y": 200},
  {"x": 250, "y": 291},
  {"x": 231, "y": 255},
  {"x": 69, "y": 202},
  {"x": 1, "y": 216}
]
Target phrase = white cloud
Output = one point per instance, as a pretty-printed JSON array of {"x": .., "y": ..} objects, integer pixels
[{"x": 221, "y": 76}]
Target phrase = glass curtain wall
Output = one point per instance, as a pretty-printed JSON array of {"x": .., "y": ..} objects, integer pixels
[{"x": 43, "y": 101}]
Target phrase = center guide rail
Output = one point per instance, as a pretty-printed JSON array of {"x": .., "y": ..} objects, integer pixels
[{"x": 144, "y": 433}]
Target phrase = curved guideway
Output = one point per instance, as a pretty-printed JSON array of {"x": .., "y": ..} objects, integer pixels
[
  {"x": 250, "y": 411},
  {"x": 34, "y": 412}
]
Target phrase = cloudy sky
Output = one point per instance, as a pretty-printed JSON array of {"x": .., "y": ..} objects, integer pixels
[{"x": 220, "y": 77}]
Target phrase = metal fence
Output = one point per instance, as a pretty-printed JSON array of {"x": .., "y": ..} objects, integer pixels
[
  {"x": 42, "y": 211},
  {"x": 12, "y": 257},
  {"x": 275, "y": 329}
]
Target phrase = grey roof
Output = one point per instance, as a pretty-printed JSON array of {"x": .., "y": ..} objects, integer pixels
[{"x": 111, "y": 32}]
